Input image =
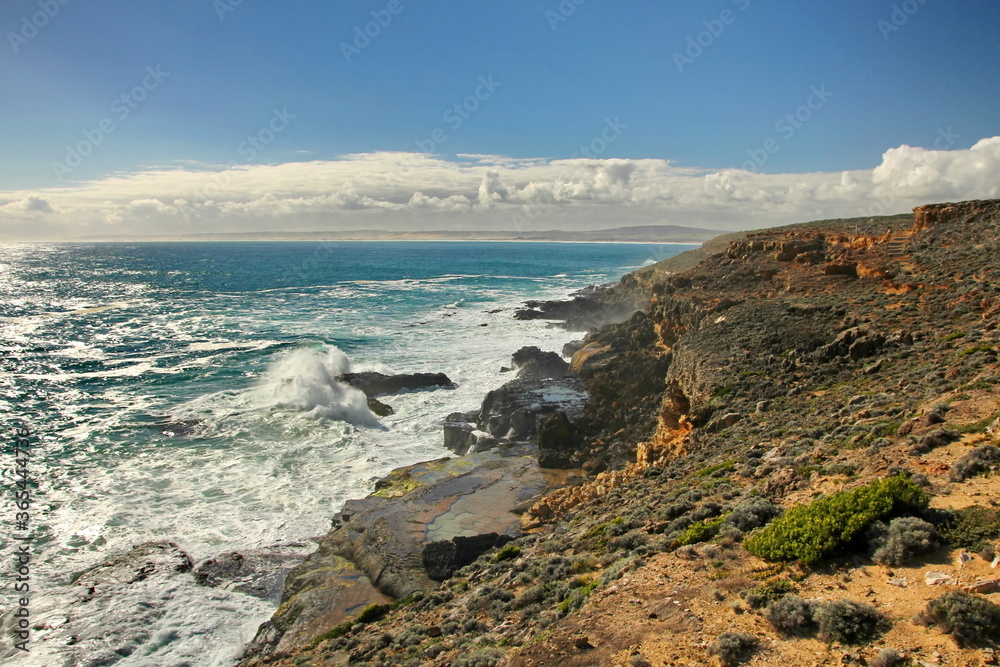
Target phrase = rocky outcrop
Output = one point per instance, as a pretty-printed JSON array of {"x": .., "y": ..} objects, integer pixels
[
  {"x": 142, "y": 562},
  {"x": 378, "y": 384},
  {"x": 515, "y": 411},
  {"x": 442, "y": 558},
  {"x": 533, "y": 363},
  {"x": 260, "y": 572},
  {"x": 422, "y": 523},
  {"x": 587, "y": 310},
  {"x": 952, "y": 213},
  {"x": 318, "y": 594}
]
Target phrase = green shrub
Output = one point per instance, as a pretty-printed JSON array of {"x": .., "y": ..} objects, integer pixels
[
  {"x": 848, "y": 622},
  {"x": 901, "y": 540},
  {"x": 970, "y": 619},
  {"x": 577, "y": 597},
  {"x": 732, "y": 648},
  {"x": 791, "y": 615},
  {"x": 701, "y": 531},
  {"x": 811, "y": 532},
  {"x": 507, "y": 552},
  {"x": 972, "y": 528},
  {"x": 769, "y": 591},
  {"x": 724, "y": 467}
]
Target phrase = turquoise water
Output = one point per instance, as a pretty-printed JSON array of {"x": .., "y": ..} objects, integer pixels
[{"x": 186, "y": 392}]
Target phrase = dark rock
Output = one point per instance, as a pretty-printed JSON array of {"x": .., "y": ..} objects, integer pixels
[
  {"x": 377, "y": 384},
  {"x": 260, "y": 573},
  {"x": 432, "y": 502},
  {"x": 866, "y": 346},
  {"x": 571, "y": 348},
  {"x": 379, "y": 408},
  {"x": 515, "y": 410},
  {"x": 442, "y": 558},
  {"x": 849, "y": 269},
  {"x": 143, "y": 561},
  {"x": 532, "y": 363},
  {"x": 587, "y": 310},
  {"x": 458, "y": 428},
  {"x": 557, "y": 442}
]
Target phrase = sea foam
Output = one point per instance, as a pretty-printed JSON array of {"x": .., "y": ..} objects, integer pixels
[{"x": 305, "y": 380}]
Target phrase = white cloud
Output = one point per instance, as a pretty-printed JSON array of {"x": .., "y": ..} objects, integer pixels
[{"x": 408, "y": 191}]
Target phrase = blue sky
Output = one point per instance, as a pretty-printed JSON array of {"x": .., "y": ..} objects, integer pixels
[{"x": 560, "y": 73}]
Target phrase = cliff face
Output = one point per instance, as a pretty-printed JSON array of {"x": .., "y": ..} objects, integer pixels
[{"x": 793, "y": 363}]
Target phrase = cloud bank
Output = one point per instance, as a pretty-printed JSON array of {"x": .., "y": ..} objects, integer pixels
[{"x": 409, "y": 192}]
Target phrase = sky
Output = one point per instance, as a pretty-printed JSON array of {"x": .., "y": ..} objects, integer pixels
[{"x": 134, "y": 119}]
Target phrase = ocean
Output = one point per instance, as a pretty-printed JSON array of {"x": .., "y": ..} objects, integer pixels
[{"x": 187, "y": 392}]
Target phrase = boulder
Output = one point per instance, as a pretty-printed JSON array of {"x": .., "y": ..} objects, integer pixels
[
  {"x": 259, "y": 573},
  {"x": 533, "y": 363},
  {"x": 378, "y": 384},
  {"x": 442, "y": 558},
  {"x": 557, "y": 441}
]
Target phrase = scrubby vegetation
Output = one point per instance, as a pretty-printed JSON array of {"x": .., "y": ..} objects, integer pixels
[
  {"x": 973, "y": 528},
  {"x": 970, "y": 619},
  {"x": 767, "y": 592},
  {"x": 844, "y": 621},
  {"x": 808, "y": 533},
  {"x": 733, "y": 648},
  {"x": 976, "y": 462},
  {"x": 901, "y": 539},
  {"x": 791, "y": 615},
  {"x": 888, "y": 657},
  {"x": 848, "y": 622}
]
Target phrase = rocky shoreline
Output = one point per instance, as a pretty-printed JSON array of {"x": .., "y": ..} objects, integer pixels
[
  {"x": 425, "y": 521},
  {"x": 605, "y": 509}
]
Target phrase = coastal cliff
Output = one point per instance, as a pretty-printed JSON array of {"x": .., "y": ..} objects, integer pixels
[{"x": 786, "y": 366}]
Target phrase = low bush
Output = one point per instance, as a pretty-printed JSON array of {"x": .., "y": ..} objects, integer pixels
[
  {"x": 848, "y": 622},
  {"x": 973, "y": 528},
  {"x": 753, "y": 512},
  {"x": 935, "y": 439},
  {"x": 484, "y": 657},
  {"x": 507, "y": 552},
  {"x": 767, "y": 592},
  {"x": 811, "y": 532},
  {"x": 976, "y": 462},
  {"x": 888, "y": 657},
  {"x": 901, "y": 539},
  {"x": 732, "y": 648},
  {"x": 702, "y": 531},
  {"x": 791, "y": 615},
  {"x": 970, "y": 619}
]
